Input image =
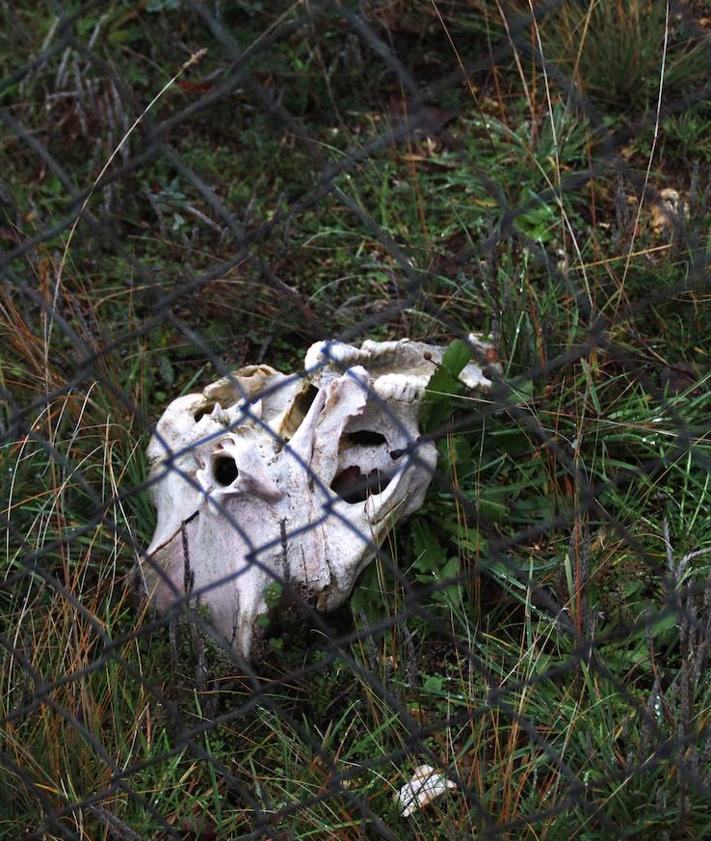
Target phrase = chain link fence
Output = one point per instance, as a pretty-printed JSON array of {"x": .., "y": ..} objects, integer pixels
[{"x": 190, "y": 188}]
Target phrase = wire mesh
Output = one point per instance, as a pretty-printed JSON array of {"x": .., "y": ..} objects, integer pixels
[{"x": 191, "y": 187}]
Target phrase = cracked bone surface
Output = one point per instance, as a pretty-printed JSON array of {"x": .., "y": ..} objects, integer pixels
[{"x": 265, "y": 477}]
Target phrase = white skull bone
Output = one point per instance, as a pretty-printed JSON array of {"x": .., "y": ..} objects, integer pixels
[{"x": 266, "y": 477}]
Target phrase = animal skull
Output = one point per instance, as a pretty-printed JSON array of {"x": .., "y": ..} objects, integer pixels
[{"x": 265, "y": 477}]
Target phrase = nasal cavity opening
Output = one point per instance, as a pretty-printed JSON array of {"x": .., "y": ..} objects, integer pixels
[
  {"x": 305, "y": 398},
  {"x": 365, "y": 438},
  {"x": 353, "y": 486},
  {"x": 302, "y": 403},
  {"x": 225, "y": 469}
]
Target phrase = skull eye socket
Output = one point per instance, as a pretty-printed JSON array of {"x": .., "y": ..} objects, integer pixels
[
  {"x": 225, "y": 470},
  {"x": 352, "y": 486},
  {"x": 205, "y": 410},
  {"x": 365, "y": 438}
]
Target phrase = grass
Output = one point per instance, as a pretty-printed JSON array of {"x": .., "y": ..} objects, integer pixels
[{"x": 542, "y": 633}]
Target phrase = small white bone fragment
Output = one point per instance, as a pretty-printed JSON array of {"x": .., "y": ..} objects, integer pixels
[
  {"x": 424, "y": 785},
  {"x": 266, "y": 477}
]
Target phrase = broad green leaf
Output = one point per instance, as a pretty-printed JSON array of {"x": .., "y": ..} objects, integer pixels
[{"x": 436, "y": 406}]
